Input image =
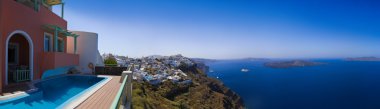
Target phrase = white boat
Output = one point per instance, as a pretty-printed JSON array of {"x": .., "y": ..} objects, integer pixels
[
  {"x": 244, "y": 70},
  {"x": 211, "y": 71}
]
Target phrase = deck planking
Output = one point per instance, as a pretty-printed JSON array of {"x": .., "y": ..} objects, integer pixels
[{"x": 102, "y": 98}]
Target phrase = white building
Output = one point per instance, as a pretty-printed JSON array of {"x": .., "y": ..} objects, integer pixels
[{"x": 87, "y": 49}]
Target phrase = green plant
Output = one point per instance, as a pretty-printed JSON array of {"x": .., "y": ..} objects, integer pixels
[{"x": 110, "y": 61}]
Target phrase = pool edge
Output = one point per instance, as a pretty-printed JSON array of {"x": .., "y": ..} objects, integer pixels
[{"x": 78, "y": 99}]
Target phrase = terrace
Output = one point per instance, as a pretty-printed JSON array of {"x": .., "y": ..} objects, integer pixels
[
  {"x": 55, "y": 49},
  {"x": 114, "y": 94},
  {"x": 104, "y": 97}
]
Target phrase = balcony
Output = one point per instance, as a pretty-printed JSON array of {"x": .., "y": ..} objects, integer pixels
[
  {"x": 36, "y": 4},
  {"x": 15, "y": 15},
  {"x": 52, "y": 60}
]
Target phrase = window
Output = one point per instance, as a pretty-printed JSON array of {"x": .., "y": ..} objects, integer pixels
[
  {"x": 61, "y": 45},
  {"x": 48, "y": 42}
]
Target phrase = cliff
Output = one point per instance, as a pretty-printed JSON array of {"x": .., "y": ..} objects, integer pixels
[{"x": 202, "y": 93}]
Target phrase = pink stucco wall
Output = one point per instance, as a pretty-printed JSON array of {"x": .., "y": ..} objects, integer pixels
[
  {"x": 57, "y": 59},
  {"x": 15, "y": 16}
]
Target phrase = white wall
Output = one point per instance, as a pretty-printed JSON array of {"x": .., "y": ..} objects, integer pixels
[
  {"x": 99, "y": 60},
  {"x": 87, "y": 48}
]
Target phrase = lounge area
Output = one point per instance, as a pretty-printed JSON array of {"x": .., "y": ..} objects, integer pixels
[
  {"x": 18, "y": 74},
  {"x": 18, "y": 59}
]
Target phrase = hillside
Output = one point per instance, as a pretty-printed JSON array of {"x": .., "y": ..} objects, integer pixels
[{"x": 203, "y": 92}]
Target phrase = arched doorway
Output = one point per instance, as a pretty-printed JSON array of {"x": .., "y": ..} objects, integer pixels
[{"x": 19, "y": 57}]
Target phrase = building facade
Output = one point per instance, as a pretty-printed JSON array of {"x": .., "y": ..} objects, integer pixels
[
  {"x": 33, "y": 41},
  {"x": 87, "y": 48}
]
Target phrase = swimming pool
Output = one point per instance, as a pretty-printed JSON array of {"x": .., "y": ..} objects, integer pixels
[{"x": 54, "y": 93}]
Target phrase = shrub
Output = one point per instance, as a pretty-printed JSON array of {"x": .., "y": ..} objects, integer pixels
[{"x": 110, "y": 61}]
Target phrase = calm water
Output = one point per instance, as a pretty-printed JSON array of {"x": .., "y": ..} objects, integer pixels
[
  {"x": 52, "y": 93},
  {"x": 338, "y": 85}
]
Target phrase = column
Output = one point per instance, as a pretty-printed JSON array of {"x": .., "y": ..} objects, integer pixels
[
  {"x": 55, "y": 39},
  {"x": 62, "y": 9},
  {"x": 75, "y": 44}
]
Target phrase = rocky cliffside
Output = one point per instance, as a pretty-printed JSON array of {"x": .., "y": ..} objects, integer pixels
[{"x": 202, "y": 93}]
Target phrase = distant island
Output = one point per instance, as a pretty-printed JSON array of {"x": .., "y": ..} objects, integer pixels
[
  {"x": 363, "y": 59},
  {"x": 293, "y": 63},
  {"x": 203, "y": 60},
  {"x": 256, "y": 59}
]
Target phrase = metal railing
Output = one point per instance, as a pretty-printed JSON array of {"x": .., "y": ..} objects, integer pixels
[
  {"x": 123, "y": 98},
  {"x": 21, "y": 75},
  {"x": 34, "y": 4}
]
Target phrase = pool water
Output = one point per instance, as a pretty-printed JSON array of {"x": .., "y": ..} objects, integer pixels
[{"x": 53, "y": 93}]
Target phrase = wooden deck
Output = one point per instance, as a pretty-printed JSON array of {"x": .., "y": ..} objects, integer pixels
[{"x": 103, "y": 98}]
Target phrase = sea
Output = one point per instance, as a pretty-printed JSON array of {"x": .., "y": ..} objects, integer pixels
[{"x": 338, "y": 84}]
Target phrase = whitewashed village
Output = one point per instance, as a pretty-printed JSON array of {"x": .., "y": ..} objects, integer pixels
[{"x": 156, "y": 69}]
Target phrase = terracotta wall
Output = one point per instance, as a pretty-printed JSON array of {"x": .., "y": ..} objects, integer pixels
[
  {"x": 15, "y": 16},
  {"x": 1, "y": 44},
  {"x": 53, "y": 60}
]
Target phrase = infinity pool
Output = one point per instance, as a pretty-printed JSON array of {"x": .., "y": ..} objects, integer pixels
[{"x": 53, "y": 93}]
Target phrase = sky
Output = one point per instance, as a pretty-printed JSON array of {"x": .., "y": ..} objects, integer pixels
[{"x": 223, "y": 29}]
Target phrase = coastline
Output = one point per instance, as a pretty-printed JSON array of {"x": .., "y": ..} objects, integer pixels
[{"x": 204, "y": 92}]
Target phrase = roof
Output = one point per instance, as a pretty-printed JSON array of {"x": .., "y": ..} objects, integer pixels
[{"x": 60, "y": 30}]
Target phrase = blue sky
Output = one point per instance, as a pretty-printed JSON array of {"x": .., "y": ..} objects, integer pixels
[{"x": 230, "y": 28}]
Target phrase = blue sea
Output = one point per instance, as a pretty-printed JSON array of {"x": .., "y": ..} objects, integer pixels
[{"x": 337, "y": 85}]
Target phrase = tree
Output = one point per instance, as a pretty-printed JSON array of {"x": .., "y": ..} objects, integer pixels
[{"x": 110, "y": 61}]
